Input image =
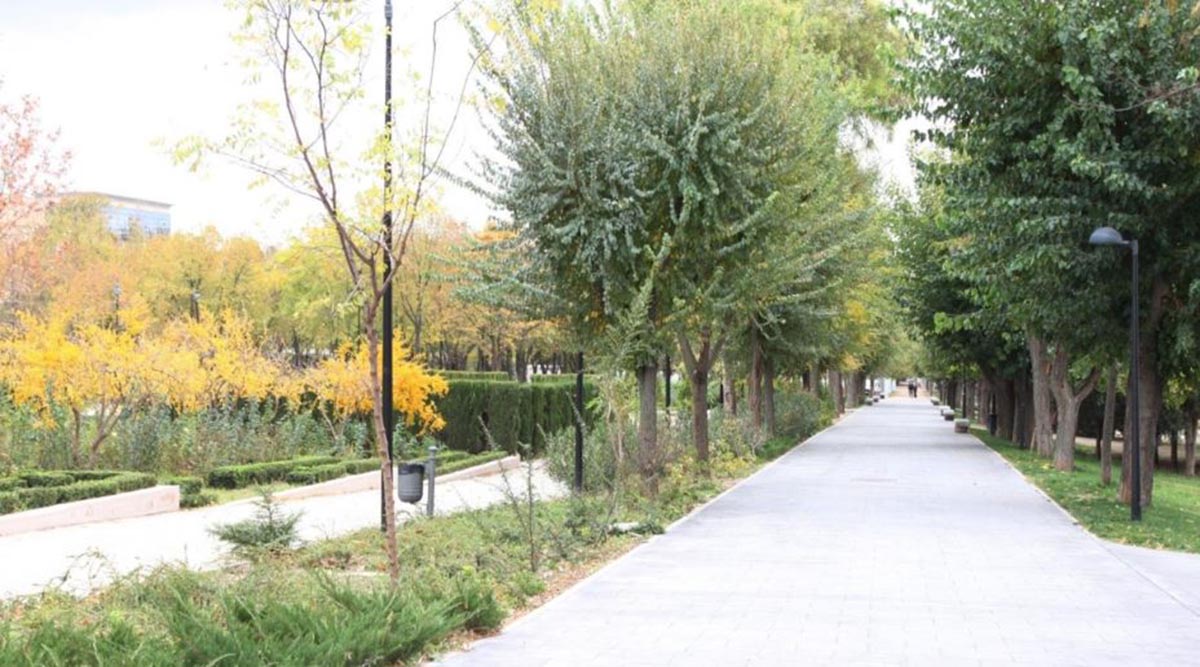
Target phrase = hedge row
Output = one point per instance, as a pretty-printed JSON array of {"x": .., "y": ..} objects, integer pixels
[
  {"x": 491, "y": 376},
  {"x": 514, "y": 413},
  {"x": 191, "y": 492},
  {"x": 327, "y": 471},
  {"x": 469, "y": 461},
  {"x": 251, "y": 474},
  {"x": 95, "y": 484}
]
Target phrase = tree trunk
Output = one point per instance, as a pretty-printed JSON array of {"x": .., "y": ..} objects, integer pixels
[
  {"x": 1004, "y": 409},
  {"x": 1106, "y": 430},
  {"x": 729, "y": 391},
  {"x": 699, "y": 362},
  {"x": 854, "y": 383},
  {"x": 1068, "y": 401},
  {"x": 386, "y": 472},
  {"x": 1042, "y": 442},
  {"x": 754, "y": 378},
  {"x": 769, "y": 395},
  {"x": 1189, "y": 445},
  {"x": 839, "y": 396},
  {"x": 699, "y": 383},
  {"x": 806, "y": 379},
  {"x": 647, "y": 376}
]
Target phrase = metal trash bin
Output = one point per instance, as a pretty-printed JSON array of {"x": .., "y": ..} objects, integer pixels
[{"x": 411, "y": 482}]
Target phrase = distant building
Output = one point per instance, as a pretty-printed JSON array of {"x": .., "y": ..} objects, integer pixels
[{"x": 123, "y": 214}]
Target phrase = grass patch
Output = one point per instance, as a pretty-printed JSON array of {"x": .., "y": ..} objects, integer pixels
[{"x": 1171, "y": 522}]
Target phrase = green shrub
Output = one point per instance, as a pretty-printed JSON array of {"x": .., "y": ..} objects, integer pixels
[
  {"x": 46, "y": 478},
  {"x": 33, "y": 497},
  {"x": 270, "y": 529},
  {"x": 10, "y": 483},
  {"x": 188, "y": 486},
  {"x": 199, "y": 499},
  {"x": 250, "y": 474},
  {"x": 490, "y": 376},
  {"x": 359, "y": 466},
  {"x": 268, "y": 617},
  {"x": 474, "y": 600},
  {"x": 77, "y": 486},
  {"x": 599, "y": 464},
  {"x": 514, "y": 413},
  {"x": 90, "y": 475},
  {"x": 9, "y": 502},
  {"x": 468, "y": 462}
]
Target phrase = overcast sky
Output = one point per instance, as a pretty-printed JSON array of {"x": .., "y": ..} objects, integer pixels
[{"x": 121, "y": 79}]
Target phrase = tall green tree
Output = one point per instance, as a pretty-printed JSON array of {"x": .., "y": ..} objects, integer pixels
[{"x": 1060, "y": 117}]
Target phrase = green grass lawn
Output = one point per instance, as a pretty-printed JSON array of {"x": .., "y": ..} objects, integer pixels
[{"x": 1171, "y": 522}]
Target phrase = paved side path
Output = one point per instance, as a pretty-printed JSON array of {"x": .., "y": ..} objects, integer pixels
[
  {"x": 885, "y": 540},
  {"x": 82, "y": 558}
]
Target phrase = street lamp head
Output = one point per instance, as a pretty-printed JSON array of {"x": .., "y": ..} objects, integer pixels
[{"x": 1107, "y": 236}]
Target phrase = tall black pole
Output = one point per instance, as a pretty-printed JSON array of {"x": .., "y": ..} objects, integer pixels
[
  {"x": 1135, "y": 477},
  {"x": 667, "y": 381},
  {"x": 386, "y": 398},
  {"x": 579, "y": 422}
]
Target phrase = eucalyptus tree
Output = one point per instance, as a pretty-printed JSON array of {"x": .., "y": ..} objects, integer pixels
[{"x": 1063, "y": 116}]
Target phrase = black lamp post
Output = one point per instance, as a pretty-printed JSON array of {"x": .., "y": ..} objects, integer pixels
[
  {"x": 386, "y": 379},
  {"x": 1107, "y": 236}
]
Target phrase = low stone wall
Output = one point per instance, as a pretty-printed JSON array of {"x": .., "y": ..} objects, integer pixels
[{"x": 143, "y": 502}]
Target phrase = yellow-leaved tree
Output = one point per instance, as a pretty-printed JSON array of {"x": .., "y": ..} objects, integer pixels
[
  {"x": 340, "y": 386},
  {"x": 95, "y": 373}
]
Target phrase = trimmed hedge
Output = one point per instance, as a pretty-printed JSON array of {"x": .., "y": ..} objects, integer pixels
[
  {"x": 46, "y": 478},
  {"x": 328, "y": 471},
  {"x": 188, "y": 486},
  {"x": 469, "y": 461},
  {"x": 250, "y": 474},
  {"x": 194, "y": 500},
  {"x": 514, "y": 413},
  {"x": 73, "y": 486},
  {"x": 10, "y": 483},
  {"x": 489, "y": 376}
]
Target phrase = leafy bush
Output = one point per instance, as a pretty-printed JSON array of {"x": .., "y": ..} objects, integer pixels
[
  {"x": 250, "y": 474},
  {"x": 46, "y": 478},
  {"x": 187, "y": 485},
  {"x": 512, "y": 412},
  {"x": 270, "y": 529},
  {"x": 9, "y": 502},
  {"x": 268, "y": 617},
  {"x": 194, "y": 500},
  {"x": 10, "y": 483},
  {"x": 34, "y": 497},
  {"x": 599, "y": 463}
]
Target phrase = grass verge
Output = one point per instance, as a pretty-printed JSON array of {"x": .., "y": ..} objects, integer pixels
[{"x": 1171, "y": 522}]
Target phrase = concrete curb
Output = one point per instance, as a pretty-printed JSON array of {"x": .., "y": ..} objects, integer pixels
[{"x": 143, "y": 502}]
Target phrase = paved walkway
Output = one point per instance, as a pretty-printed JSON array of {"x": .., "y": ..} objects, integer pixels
[
  {"x": 82, "y": 558},
  {"x": 886, "y": 540}
]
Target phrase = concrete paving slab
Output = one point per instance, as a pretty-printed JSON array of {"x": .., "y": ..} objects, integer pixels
[{"x": 886, "y": 540}]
